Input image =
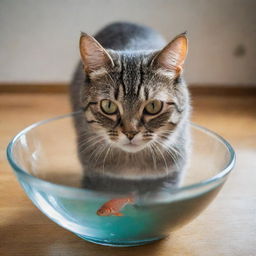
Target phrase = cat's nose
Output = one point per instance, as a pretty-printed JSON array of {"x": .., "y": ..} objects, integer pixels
[{"x": 130, "y": 135}]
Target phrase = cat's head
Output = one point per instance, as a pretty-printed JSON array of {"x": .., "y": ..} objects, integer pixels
[{"x": 134, "y": 100}]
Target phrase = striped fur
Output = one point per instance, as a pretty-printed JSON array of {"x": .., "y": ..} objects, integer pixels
[{"x": 135, "y": 78}]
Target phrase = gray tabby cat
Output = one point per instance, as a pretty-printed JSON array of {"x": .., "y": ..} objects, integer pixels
[{"x": 133, "y": 127}]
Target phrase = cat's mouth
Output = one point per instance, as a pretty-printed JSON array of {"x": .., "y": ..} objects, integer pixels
[
  {"x": 131, "y": 144},
  {"x": 132, "y": 147}
]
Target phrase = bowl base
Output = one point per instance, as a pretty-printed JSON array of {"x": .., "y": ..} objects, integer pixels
[{"x": 119, "y": 243}]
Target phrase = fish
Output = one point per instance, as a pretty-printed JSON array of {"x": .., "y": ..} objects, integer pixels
[{"x": 114, "y": 206}]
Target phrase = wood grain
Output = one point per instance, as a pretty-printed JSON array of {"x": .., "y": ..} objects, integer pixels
[
  {"x": 227, "y": 227},
  {"x": 33, "y": 88},
  {"x": 196, "y": 89}
]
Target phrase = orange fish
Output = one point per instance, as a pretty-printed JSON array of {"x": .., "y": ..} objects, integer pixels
[{"x": 113, "y": 206}]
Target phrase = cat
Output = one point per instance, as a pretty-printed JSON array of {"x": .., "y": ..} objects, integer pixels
[{"x": 133, "y": 108}]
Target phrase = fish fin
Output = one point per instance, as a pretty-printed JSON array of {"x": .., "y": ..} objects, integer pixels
[
  {"x": 131, "y": 200},
  {"x": 118, "y": 214}
]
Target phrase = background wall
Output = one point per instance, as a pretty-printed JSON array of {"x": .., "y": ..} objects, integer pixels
[{"x": 39, "y": 39}]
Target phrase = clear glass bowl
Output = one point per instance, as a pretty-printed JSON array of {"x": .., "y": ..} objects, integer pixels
[{"x": 44, "y": 158}]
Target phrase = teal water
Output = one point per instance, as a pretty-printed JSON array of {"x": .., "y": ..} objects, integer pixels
[{"x": 140, "y": 222}]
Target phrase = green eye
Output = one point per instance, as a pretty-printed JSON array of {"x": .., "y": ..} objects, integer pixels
[
  {"x": 153, "y": 107},
  {"x": 108, "y": 107}
]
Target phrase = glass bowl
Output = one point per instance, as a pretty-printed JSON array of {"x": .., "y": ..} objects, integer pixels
[{"x": 44, "y": 159}]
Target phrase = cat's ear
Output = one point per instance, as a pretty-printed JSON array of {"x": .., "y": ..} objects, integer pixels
[
  {"x": 94, "y": 56},
  {"x": 172, "y": 57}
]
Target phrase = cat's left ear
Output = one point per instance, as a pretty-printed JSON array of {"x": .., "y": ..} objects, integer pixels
[
  {"x": 173, "y": 55},
  {"x": 94, "y": 56}
]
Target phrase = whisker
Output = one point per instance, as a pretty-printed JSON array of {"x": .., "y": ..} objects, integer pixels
[
  {"x": 173, "y": 149},
  {"x": 109, "y": 148},
  {"x": 87, "y": 140},
  {"x": 153, "y": 156},
  {"x": 171, "y": 152},
  {"x": 84, "y": 134},
  {"x": 159, "y": 150},
  {"x": 173, "y": 156},
  {"x": 86, "y": 148},
  {"x": 94, "y": 154},
  {"x": 91, "y": 145},
  {"x": 100, "y": 153},
  {"x": 177, "y": 152},
  {"x": 174, "y": 153},
  {"x": 85, "y": 143}
]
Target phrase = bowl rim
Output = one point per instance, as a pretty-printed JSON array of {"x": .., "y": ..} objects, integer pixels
[{"x": 220, "y": 175}]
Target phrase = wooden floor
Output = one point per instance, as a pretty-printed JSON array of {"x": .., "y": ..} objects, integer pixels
[{"x": 226, "y": 228}]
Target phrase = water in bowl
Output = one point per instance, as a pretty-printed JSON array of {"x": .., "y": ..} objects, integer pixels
[{"x": 143, "y": 222}]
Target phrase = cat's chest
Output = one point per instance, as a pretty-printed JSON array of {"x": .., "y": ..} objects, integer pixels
[{"x": 132, "y": 166}]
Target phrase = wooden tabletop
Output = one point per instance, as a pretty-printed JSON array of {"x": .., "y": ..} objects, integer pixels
[{"x": 226, "y": 227}]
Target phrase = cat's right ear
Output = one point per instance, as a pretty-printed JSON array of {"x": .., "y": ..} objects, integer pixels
[
  {"x": 172, "y": 57},
  {"x": 94, "y": 56}
]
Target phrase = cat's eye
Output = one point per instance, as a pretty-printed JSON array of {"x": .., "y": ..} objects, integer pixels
[
  {"x": 153, "y": 107},
  {"x": 108, "y": 107}
]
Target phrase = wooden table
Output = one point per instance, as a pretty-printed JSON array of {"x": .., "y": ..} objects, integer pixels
[{"x": 226, "y": 227}]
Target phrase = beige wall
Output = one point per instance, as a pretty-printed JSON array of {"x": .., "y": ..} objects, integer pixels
[{"x": 39, "y": 39}]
